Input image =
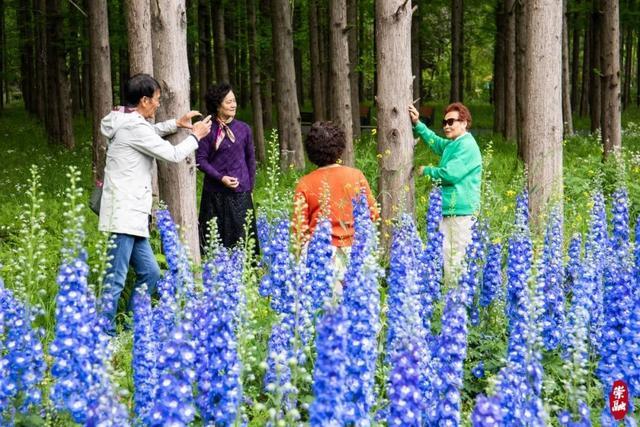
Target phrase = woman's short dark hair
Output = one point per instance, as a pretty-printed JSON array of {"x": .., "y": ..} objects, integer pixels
[
  {"x": 139, "y": 86},
  {"x": 325, "y": 143},
  {"x": 215, "y": 95}
]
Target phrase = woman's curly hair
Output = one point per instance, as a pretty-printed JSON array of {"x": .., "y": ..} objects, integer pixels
[
  {"x": 325, "y": 143},
  {"x": 215, "y": 95}
]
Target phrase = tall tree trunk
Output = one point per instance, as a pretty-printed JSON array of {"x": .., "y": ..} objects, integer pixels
[
  {"x": 74, "y": 61},
  {"x": 123, "y": 68},
  {"x": 415, "y": 53},
  {"x": 101, "y": 95},
  {"x": 628, "y": 50},
  {"x": 595, "y": 91},
  {"x": 341, "y": 107},
  {"x": 457, "y": 51},
  {"x": 352, "y": 22},
  {"x": 42, "y": 71},
  {"x": 204, "y": 50},
  {"x": 177, "y": 180},
  {"x": 325, "y": 53},
  {"x": 542, "y": 131},
  {"x": 3, "y": 54},
  {"x": 567, "y": 119},
  {"x": 220, "y": 50},
  {"x": 289, "y": 131},
  {"x": 610, "y": 61},
  {"x": 499, "y": 57},
  {"x": 317, "y": 94},
  {"x": 256, "y": 101},
  {"x": 52, "y": 117},
  {"x": 521, "y": 73},
  {"x": 586, "y": 73},
  {"x": 266, "y": 65},
  {"x": 510, "y": 72},
  {"x": 139, "y": 36},
  {"x": 638, "y": 72},
  {"x": 395, "y": 139},
  {"x": 27, "y": 42},
  {"x": 267, "y": 102},
  {"x": 297, "y": 54},
  {"x": 575, "y": 63},
  {"x": 230, "y": 35}
]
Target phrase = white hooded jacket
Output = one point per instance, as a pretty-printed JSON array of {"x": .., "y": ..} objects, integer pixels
[{"x": 133, "y": 143}]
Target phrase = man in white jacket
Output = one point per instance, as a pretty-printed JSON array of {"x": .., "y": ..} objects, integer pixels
[{"x": 126, "y": 197}]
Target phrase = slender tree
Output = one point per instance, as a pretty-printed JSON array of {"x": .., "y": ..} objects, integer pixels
[
  {"x": 256, "y": 101},
  {"x": 510, "y": 72},
  {"x": 317, "y": 89},
  {"x": 542, "y": 130},
  {"x": 3, "y": 54},
  {"x": 139, "y": 36},
  {"x": 27, "y": 43},
  {"x": 415, "y": 53},
  {"x": 567, "y": 118},
  {"x": 289, "y": 131},
  {"x": 101, "y": 95},
  {"x": 498, "y": 96},
  {"x": 220, "y": 50},
  {"x": 394, "y": 90},
  {"x": 177, "y": 181},
  {"x": 611, "y": 114},
  {"x": 457, "y": 50},
  {"x": 586, "y": 73},
  {"x": 628, "y": 59},
  {"x": 595, "y": 91},
  {"x": 204, "y": 50},
  {"x": 575, "y": 61},
  {"x": 352, "y": 22},
  {"x": 522, "y": 33},
  {"x": 340, "y": 82}
]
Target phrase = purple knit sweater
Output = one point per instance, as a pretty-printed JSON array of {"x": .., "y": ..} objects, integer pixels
[{"x": 236, "y": 159}]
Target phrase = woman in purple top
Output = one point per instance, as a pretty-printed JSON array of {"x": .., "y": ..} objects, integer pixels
[{"x": 227, "y": 158}]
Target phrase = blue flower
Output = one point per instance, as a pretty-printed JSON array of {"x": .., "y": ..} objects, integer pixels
[
  {"x": 572, "y": 269},
  {"x": 478, "y": 370},
  {"x": 486, "y": 412},
  {"x": 551, "y": 277},
  {"x": 405, "y": 399},
  {"x": 176, "y": 255},
  {"x": 144, "y": 353},
  {"x": 432, "y": 258},
  {"x": 319, "y": 264},
  {"x": 329, "y": 373},
  {"x": 491, "y": 275},
  {"x": 565, "y": 418}
]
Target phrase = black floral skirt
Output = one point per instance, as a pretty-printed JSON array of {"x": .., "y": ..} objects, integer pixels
[{"x": 230, "y": 211}]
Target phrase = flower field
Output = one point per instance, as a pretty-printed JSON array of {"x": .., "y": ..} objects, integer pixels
[{"x": 541, "y": 322}]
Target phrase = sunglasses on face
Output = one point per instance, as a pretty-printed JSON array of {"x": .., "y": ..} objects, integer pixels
[{"x": 449, "y": 122}]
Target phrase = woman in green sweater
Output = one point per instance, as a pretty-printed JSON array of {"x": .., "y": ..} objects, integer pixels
[{"x": 459, "y": 173}]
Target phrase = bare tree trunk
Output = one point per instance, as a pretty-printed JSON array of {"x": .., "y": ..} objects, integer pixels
[
  {"x": 177, "y": 180},
  {"x": 52, "y": 118},
  {"x": 74, "y": 61},
  {"x": 415, "y": 53},
  {"x": 610, "y": 61},
  {"x": 139, "y": 36},
  {"x": 341, "y": 108},
  {"x": 457, "y": 51},
  {"x": 521, "y": 73},
  {"x": 595, "y": 91},
  {"x": 543, "y": 115},
  {"x": 626, "y": 90},
  {"x": 567, "y": 119},
  {"x": 575, "y": 63},
  {"x": 27, "y": 42},
  {"x": 256, "y": 102},
  {"x": 297, "y": 53},
  {"x": 289, "y": 131},
  {"x": 230, "y": 34},
  {"x": 317, "y": 94},
  {"x": 510, "y": 75},
  {"x": 499, "y": 57},
  {"x": 204, "y": 50},
  {"x": 586, "y": 73},
  {"x": 352, "y": 22},
  {"x": 395, "y": 139},
  {"x": 42, "y": 72},
  {"x": 325, "y": 53},
  {"x": 220, "y": 51},
  {"x": 101, "y": 95}
]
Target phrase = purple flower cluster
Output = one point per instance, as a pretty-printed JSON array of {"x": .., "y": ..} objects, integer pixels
[
  {"x": 551, "y": 277},
  {"x": 277, "y": 283},
  {"x": 362, "y": 303},
  {"x": 80, "y": 354},
  {"x": 469, "y": 279},
  {"x": 329, "y": 373},
  {"x": 432, "y": 258},
  {"x": 487, "y": 412},
  {"x": 596, "y": 244},
  {"x": 145, "y": 351},
  {"x": 175, "y": 254},
  {"x": 406, "y": 403},
  {"x": 491, "y": 275},
  {"x": 22, "y": 363},
  {"x": 319, "y": 265}
]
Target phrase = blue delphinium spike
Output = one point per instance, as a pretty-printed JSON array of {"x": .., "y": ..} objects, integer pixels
[
  {"x": 329, "y": 373},
  {"x": 522, "y": 212},
  {"x": 492, "y": 275},
  {"x": 474, "y": 254},
  {"x": 362, "y": 303},
  {"x": 572, "y": 268},
  {"x": 432, "y": 258},
  {"x": 486, "y": 412},
  {"x": 552, "y": 278},
  {"x": 319, "y": 264},
  {"x": 405, "y": 400},
  {"x": 596, "y": 244},
  {"x": 144, "y": 353},
  {"x": 565, "y": 419},
  {"x": 277, "y": 283},
  {"x": 264, "y": 237},
  {"x": 175, "y": 254},
  {"x": 22, "y": 363}
]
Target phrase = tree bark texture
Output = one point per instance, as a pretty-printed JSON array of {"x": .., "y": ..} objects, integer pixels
[
  {"x": 341, "y": 108},
  {"x": 42, "y": 72},
  {"x": 628, "y": 59},
  {"x": 586, "y": 73},
  {"x": 415, "y": 53},
  {"x": 575, "y": 63},
  {"x": 610, "y": 61},
  {"x": 354, "y": 85},
  {"x": 542, "y": 130},
  {"x": 101, "y": 95},
  {"x": 139, "y": 36},
  {"x": 27, "y": 42},
  {"x": 498, "y": 96},
  {"x": 521, "y": 51},
  {"x": 595, "y": 91},
  {"x": 256, "y": 101},
  {"x": 567, "y": 119},
  {"x": 510, "y": 72},
  {"x": 297, "y": 53},
  {"x": 317, "y": 91},
  {"x": 289, "y": 131},
  {"x": 177, "y": 180},
  {"x": 74, "y": 61},
  {"x": 394, "y": 91},
  {"x": 220, "y": 50},
  {"x": 204, "y": 50},
  {"x": 457, "y": 51}
]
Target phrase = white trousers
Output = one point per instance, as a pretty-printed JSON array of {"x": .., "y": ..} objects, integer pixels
[{"x": 457, "y": 236}]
